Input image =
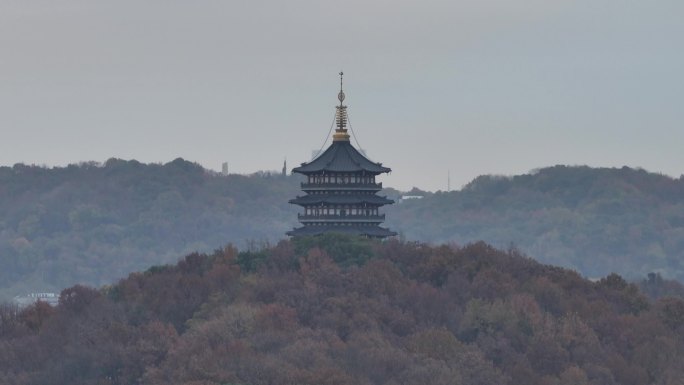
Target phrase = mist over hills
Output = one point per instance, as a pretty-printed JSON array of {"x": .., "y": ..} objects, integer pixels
[{"x": 94, "y": 223}]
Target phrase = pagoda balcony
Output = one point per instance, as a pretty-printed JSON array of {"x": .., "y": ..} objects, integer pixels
[
  {"x": 341, "y": 218},
  {"x": 341, "y": 186}
]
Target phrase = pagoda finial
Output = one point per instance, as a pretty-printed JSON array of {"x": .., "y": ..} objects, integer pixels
[
  {"x": 340, "y": 96},
  {"x": 341, "y": 116}
]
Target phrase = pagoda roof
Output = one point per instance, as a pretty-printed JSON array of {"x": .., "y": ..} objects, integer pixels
[
  {"x": 341, "y": 199},
  {"x": 341, "y": 156},
  {"x": 371, "y": 231}
]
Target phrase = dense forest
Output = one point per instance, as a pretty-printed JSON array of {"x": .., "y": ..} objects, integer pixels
[
  {"x": 341, "y": 310},
  {"x": 94, "y": 223}
]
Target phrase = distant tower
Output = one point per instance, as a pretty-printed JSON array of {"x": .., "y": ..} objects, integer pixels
[
  {"x": 341, "y": 188},
  {"x": 285, "y": 167},
  {"x": 224, "y": 168}
]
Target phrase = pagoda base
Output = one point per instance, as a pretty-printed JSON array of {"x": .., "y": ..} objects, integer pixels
[{"x": 369, "y": 231}]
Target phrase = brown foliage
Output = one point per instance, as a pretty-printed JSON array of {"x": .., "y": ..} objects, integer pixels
[{"x": 412, "y": 314}]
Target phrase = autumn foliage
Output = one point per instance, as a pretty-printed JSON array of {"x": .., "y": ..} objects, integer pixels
[{"x": 340, "y": 310}]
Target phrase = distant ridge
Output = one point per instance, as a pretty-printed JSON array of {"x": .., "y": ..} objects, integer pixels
[
  {"x": 594, "y": 220},
  {"x": 96, "y": 222}
]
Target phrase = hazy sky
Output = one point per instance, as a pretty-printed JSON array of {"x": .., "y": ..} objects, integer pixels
[{"x": 471, "y": 87}]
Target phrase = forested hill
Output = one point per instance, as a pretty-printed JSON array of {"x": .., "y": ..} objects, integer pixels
[
  {"x": 95, "y": 223},
  {"x": 594, "y": 220},
  {"x": 339, "y": 310}
]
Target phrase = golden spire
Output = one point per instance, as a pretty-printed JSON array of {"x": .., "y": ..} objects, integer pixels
[{"x": 341, "y": 117}]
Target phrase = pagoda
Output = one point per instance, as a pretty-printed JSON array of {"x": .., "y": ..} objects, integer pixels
[{"x": 341, "y": 188}]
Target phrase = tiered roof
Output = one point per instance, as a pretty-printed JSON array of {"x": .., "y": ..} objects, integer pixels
[
  {"x": 370, "y": 231},
  {"x": 341, "y": 156},
  {"x": 341, "y": 199}
]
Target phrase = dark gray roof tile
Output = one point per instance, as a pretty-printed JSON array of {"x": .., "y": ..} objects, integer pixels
[
  {"x": 340, "y": 199},
  {"x": 341, "y": 156},
  {"x": 371, "y": 231}
]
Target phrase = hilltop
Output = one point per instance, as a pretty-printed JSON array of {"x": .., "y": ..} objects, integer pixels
[{"x": 342, "y": 310}]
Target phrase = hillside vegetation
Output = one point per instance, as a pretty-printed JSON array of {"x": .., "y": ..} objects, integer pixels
[
  {"x": 593, "y": 220},
  {"x": 340, "y": 310},
  {"x": 95, "y": 223}
]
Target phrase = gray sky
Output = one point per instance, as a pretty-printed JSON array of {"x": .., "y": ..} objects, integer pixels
[{"x": 474, "y": 87}]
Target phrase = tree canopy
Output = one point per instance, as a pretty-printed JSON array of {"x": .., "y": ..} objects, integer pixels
[{"x": 405, "y": 313}]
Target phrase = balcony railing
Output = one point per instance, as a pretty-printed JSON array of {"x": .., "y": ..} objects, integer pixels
[
  {"x": 341, "y": 218},
  {"x": 345, "y": 186}
]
